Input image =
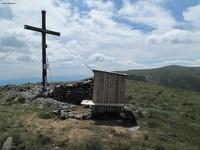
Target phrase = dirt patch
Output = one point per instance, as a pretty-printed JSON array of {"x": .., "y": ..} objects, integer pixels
[
  {"x": 138, "y": 135},
  {"x": 124, "y": 132},
  {"x": 61, "y": 131},
  {"x": 74, "y": 130}
]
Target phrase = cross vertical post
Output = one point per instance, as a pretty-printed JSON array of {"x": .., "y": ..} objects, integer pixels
[
  {"x": 44, "y": 46},
  {"x": 44, "y": 31}
]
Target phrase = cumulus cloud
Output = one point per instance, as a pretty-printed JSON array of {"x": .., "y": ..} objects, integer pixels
[
  {"x": 175, "y": 36},
  {"x": 8, "y": 42},
  {"x": 127, "y": 62},
  {"x": 92, "y": 35},
  {"x": 99, "y": 57},
  {"x": 192, "y": 14},
  {"x": 148, "y": 13}
]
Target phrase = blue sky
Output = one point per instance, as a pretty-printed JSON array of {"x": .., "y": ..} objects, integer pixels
[{"x": 105, "y": 34}]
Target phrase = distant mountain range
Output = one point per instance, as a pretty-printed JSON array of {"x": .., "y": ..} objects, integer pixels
[
  {"x": 37, "y": 79},
  {"x": 171, "y": 76}
]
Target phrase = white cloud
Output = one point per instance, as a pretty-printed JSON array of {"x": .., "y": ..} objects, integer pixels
[
  {"x": 149, "y": 13},
  {"x": 127, "y": 62},
  {"x": 94, "y": 37},
  {"x": 192, "y": 14},
  {"x": 99, "y": 57},
  {"x": 175, "y": 36}
]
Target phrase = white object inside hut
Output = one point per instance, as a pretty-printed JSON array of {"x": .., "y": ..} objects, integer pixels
[{"x": 87, "y": 102}]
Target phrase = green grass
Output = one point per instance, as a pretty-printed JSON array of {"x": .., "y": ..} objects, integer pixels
[
  {"x": 169, "y": 119},
  {"x": 12, "y": 123}
]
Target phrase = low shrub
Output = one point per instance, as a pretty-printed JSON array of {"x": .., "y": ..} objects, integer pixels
[{"x": 44, "y": 139}]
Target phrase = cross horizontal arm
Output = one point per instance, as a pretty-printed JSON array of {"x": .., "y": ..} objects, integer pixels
[
  {"x": 41, "y": 30},
  {"x": 52, "y": 32}
]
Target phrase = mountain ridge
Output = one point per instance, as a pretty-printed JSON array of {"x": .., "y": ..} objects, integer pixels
[{"x": 172, "y": 76}]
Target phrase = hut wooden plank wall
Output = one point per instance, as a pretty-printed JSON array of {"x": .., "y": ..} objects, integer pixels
[{"x": 108, "y": 91}]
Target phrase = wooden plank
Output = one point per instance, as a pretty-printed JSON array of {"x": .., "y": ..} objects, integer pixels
[
  {"x": 110, "y": 104},
  {"x": 123, "y": 89},
  {"x": 120, "y": 90},
  {"x": 117, "y": 89},
  {"x": 112, "y": 89},
  {"x": 95, "y": 87},
  {"x": 116, "y": 73},
  {"x": 101, "y": 88}
]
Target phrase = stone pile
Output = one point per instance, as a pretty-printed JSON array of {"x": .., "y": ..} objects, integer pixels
[
  {"x": 21, "y": 93},
  {"x": 73, "y": 92},
  {"x": 72, "y": 112}
]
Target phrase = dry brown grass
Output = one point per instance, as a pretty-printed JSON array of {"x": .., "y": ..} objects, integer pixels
[
  {"x": 78, "y": 134},
  {"x": 72, "y": 130}
]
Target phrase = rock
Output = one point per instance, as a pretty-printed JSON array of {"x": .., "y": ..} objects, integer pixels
[
  {"x": 25, "y": 105},
  {"x": 31, "y": 93},
  {"x": 78, "y": 117},
  {"x": 63, "y": 115},
  {"x": 56, "y": 148},
  {"x": 8, "y": 144},
  {"x": 51, "y": 102},
  {"x": 55, "y": 112},
  {"x": 73, "y": 92},
  {"x": 20, "y": 100},
  {"x": 71, "y": 113},
  {"x": 133, "y": 129}
]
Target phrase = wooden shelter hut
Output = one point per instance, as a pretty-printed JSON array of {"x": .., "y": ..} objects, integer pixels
[{"x": 108, "y": 92}]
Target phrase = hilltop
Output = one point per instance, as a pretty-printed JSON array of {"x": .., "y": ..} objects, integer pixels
[
  {"x": 171, "y": 76},
  {"x": 168, "y": 119}
]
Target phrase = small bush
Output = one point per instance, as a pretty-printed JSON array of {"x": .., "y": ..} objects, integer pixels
[
  {"x": 44, "y": 139},
  {"x": 129, "y": 97},
  {"x": 19, "y": 139}
]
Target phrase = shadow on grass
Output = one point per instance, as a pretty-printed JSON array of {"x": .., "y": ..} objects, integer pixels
[{"x": 115, "y": 119}]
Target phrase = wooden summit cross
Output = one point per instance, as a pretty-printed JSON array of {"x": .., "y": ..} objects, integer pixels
[{"x": 44, "y": 31}]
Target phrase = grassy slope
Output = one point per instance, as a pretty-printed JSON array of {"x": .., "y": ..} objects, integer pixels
[
  {"x": 169, "y": 116},
  {"x": 169, "y": 119},
  {"x": 172, "y": 76}
]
